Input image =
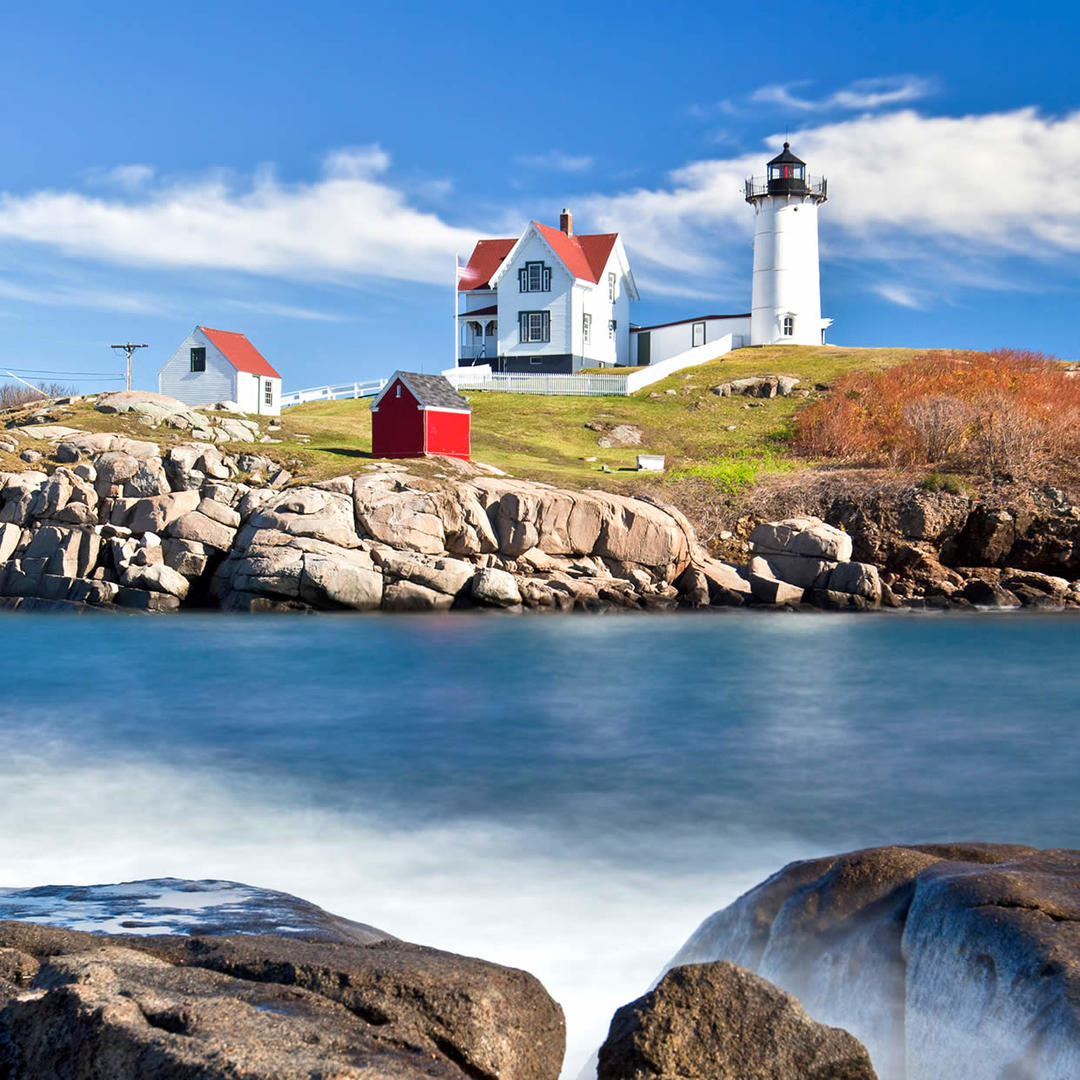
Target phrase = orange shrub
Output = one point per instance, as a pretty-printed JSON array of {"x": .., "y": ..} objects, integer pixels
[{"x": 1002, "y": 412}]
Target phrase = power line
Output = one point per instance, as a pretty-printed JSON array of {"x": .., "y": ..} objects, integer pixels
[{"x": 100, "y": 375}]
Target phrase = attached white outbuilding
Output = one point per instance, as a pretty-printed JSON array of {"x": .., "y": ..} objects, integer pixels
[{"x": 221, "y": 365}]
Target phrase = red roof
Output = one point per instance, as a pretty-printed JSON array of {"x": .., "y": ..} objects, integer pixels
[
  {"x": 584, "y": 256},
  {"x": 486, "y": 258},
  {"x": 240, "y": 352}
]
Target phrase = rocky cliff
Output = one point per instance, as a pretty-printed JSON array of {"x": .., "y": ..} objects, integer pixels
[{"x": 945, "y": 960}]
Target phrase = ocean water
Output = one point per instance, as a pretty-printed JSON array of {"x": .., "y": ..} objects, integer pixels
[{"x": 570, "y": 795}]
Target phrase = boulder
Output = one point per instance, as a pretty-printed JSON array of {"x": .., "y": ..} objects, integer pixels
[
  {"x": 201, "y": 529},
  {"x": 342, "y": 582},
  {"x": 727, "y": 587},
  {"x": 408, "y": 596},
  {"x": 945, "y": 960},
  {"x": 807, "y": 536},
  {"x": 800, "y": 570},
  {"x": 989, "y": 595},
  {"x": 856, "y": 578},
  {"x": 309, "y": 511},
  {"x": 987, "y": 537},
  {"x": 495, "y": 588},
  {"x": 266, "y": 1008},
  {"x": 219, "y": 512},
  {"x": 449, "y": 576},
  {"x": 766, "y": 588},
  {"x": 620, "y": 435},
  {"x": 719, "y": 1021},
  {"x": 10, "y": 538},
  {"x": 156, "y": 513},
  {"x": 156, "y": 577}
]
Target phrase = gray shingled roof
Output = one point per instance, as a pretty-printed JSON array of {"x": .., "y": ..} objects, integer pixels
[{"x": 434, "y": 390}]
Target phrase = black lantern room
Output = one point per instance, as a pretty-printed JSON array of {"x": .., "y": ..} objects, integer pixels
[{"x": 787, "y": 174}]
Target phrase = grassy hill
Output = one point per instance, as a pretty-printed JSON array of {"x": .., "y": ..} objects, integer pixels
[
  {"x": 714, "y": 446},
  {"x": 545, "y": 438}
]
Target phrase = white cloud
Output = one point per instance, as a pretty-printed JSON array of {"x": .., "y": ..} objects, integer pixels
[
  {"x": 349, "y": 223},
  {"x": 556, "y": 161},
  {"x": 901, "y": 295},
  {"x": 98, "y": 299},
  {"x": 124, "y": 177},
  {"x": 285, "y": 311},
  {"x": 945, "y": 195},
  {"x": 862, "y": 95}
]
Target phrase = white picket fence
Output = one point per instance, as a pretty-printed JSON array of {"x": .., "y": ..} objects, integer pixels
[
  {"x": 568, "y": 385},
  {"x": 330, "y": 393}
]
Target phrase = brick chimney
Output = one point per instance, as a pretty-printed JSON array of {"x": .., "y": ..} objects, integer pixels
[{"x": 566, "y": 222}]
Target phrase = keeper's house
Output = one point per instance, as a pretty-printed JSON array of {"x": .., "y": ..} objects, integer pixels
[
  {"x": 420, "y": 416},
  {"x": 549, "y": 301},
  {"x": 220, "y": 365}
]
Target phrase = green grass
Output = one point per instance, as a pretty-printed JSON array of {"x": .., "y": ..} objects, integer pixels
[{"x": 545, "y": 438}]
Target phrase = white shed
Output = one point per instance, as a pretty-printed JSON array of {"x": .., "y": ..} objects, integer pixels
[{"x": 220, "y": 365}]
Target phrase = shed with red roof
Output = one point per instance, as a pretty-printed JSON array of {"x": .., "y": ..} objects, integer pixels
[
  {"x": 221, "y": 365},
  {"x": 420, "y": 416}
]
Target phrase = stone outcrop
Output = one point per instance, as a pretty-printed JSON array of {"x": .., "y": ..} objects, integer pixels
[
  {"x": 758, "y": 386},
  {"x": 945, "y": 550},
  {"x": 83, "y": 1006},
  {"x": 954, "y": 960},
  {"x": 719, "y": 1021},
  {"x": 806, "y": 559},
  {"x": 168, "y": 411}
]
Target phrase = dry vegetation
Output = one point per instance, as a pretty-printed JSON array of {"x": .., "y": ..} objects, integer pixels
[
  {"x": 14, "y": 395},
  {"x": 1003, "y": 413}
]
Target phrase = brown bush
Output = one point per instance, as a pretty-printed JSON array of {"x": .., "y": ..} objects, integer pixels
[
  {"x": 1002, "y": 412},
  {"x": 15, "y": 395}
]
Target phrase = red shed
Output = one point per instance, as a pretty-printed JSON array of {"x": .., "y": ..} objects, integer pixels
[{"x": 419, "y": 415}]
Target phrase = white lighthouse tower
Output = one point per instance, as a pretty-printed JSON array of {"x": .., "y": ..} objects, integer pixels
[{"x": 786, "y": 304}]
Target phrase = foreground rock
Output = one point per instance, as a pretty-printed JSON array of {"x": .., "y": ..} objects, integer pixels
[
  {"x": 82, "y": 1007},
  {"x": 945, "y": 960},
  {"x": 721, "y": 1022}
]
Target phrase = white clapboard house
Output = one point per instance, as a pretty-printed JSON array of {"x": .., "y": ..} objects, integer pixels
[
  {"x": 549, "y": 301},
  {"x": 221, "y": 365}
]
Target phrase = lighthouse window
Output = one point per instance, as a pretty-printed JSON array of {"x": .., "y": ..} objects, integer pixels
[{"x": 789, "y": 325}]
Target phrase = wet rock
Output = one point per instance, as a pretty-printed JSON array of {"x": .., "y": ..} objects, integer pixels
[
  {"x": 945, "y": 960},
  {"x": 720, "y": 1021}
]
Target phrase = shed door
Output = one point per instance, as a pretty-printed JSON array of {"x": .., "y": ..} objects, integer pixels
[
  {"x": 699, "y": 335},
  {"x": 644, "y": 349}
]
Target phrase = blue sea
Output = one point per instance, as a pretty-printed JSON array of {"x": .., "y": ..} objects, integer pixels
[{"x": 571, "y": 795}]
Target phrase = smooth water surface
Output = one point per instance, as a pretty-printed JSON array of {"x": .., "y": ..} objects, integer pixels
[{"x": 571, "y": 795}]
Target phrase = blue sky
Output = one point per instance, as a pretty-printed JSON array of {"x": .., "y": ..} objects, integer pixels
[{"x": 305, "y": 173}]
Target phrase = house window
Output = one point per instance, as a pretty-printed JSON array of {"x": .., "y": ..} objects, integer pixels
[
  {"x": 534, "y": 277},
  {"x": 198, "y": 359},
  {"x": 612, "y": 324},
  {"x": 535, "y": 326},
  {"x": 268, "y": 392},
  {"x": 586, "y": 328},
  {"x": 611, "y": 287},
  {"x": 697, "y": 336},
  {"x": 536, "y": 360},
  {"x": 789, "y": 325},
  {"x": 398, "y": 388}
]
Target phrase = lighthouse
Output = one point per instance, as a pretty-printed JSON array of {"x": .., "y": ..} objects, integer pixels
[{"x": 786, "y": 295}]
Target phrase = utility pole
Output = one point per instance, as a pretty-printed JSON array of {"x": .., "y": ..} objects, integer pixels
[{"x": 130, "y": 350}]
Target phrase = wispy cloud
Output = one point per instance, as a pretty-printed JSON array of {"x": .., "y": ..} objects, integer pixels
[
  {"x": 863, "y": 95},
  {"x": 556, "y": 161},
  {"x": 99, "y": 299},
  {"x": 711, "y": 110},
  {"x": 285, "y": 311},
  {"x": 351, "y": 222},
  {"x": 122, "y": 177},
  {"x": 901, "y": 295}
]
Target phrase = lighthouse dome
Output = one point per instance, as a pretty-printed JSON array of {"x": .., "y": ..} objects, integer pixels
[{"x": 787, "y": 174}]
